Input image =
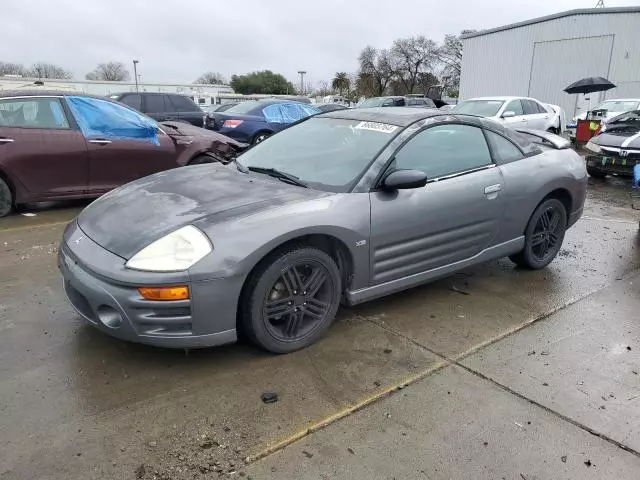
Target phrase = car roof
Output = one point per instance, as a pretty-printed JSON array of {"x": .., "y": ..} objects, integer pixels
[
  {"x": 621, "y": 100},
  {"x": 47, "y": 93},
  {"x": 402, "y": 116},
  {"x": 501, "y": 97}
]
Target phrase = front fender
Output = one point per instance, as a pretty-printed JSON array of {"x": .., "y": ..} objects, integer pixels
[{"x": 240, "y": 243}]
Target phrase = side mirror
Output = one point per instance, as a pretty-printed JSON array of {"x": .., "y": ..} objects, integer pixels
[
  {"x": 508, "y": 114},
  {"x": 404, "y": 179}
]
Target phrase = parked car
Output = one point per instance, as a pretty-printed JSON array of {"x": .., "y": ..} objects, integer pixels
[
  {"x": 56, "y": 145},
  {"x": 514, "y": 112},
  {"x": 604, "y": 111},
  {"x": 221, "y": 107},
  {"x": 616, "y": 149},
  {"x": 254, "y": 121},
  {"x": 328, "y": 107},
  {"x": 559, "y": 120},
  {"x": 164, "y": 107},
  {"x": 397, "y": 101},
  {"x": 345, "y": 206}
]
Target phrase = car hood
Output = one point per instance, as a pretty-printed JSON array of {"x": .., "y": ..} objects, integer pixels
[
  {"x": 606, "y": 139},
  {"x": 216, "y": 143},
  {"x": 139, "y": 213}
]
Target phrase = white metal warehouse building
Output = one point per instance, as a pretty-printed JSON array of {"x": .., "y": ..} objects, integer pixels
[{"x": 540, "y": 57}]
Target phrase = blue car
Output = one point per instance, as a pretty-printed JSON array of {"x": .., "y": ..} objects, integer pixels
[{"x": 253, "y": 121}]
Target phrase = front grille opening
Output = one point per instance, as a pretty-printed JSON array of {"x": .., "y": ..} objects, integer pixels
[{"x": 80, "y": 302}]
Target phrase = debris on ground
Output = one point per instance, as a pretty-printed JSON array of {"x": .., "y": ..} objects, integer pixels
[
  {"x": 453, "y": 288},
  {"x": 350, "y": 450},
  {"x": 307, "y": 454},
  {"x": 588, "y": 463},
  {"x": 628, "y": 348},
  {"x": 387, "y": 350},
  {"x": 269, "y": 397},
  {"x": 140, "y": 471},
  {"x": 564, "y": 459}
]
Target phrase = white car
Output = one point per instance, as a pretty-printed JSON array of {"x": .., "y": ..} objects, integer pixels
[
  {"x": 515, "y": 112},
  {"x": 605, "y": 110}
]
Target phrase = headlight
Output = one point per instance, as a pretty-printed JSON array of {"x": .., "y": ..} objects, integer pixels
[
  {"x": 593, "y": 147},
  {"x": 174, "y": 252}
]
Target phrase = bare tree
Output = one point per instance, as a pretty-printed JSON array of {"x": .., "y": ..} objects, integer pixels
[
  {"x": 211, "y": 78},
  {"x": 410, "y": 57},
  {"x": 109, "y": 72},
  {"x": 449, "y": 54},
  {"x": 375, "y": 72},
  {"x": 7, "y": 68},
  {"x": 323, "y": 89},
  {"x": 48, "y": 70}
]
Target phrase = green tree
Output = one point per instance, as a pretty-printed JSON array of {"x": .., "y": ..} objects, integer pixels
[
  {"x": 264, "y": 81},
  {"x": 341, "y": 83}
]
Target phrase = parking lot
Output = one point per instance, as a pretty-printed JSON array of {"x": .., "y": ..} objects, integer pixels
[{"x": 495, "y": 372}]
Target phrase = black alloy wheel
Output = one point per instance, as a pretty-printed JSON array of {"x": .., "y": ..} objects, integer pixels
[
  {"x": 543, "y": 236},
  {"x": 291, "y": 299}
]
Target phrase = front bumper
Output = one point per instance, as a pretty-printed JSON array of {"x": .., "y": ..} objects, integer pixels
[
  {"x": 206, "y": 319},
  {"x": 608, "y": 163}
]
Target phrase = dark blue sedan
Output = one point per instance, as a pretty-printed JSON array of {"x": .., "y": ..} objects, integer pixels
[{"x": 253, "y": 121}]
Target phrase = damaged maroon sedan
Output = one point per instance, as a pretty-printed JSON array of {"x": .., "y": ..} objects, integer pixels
[{"x": 62, "y": 145}]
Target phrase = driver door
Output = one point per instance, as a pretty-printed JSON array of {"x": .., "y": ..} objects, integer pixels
[
  {"x": 454, "y": 217},
  {"x": 519, "y": 120}
]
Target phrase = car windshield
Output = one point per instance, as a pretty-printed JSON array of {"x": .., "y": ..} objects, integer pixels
[
  {"x": 484, "y": 108},
  {"x": 243, "y": 108},
  {"x": 325, "y": 153},
  {"x": 371, "y": 102},
  {"x": 617, "y": 105}
]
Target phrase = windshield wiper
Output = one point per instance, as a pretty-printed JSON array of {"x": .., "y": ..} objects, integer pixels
[{"x": 285, "y": 177}]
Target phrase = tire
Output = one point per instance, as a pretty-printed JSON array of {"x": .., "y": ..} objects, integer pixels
[
  {"x": 543, "y": 236},
  {"x": 595, "y": 173},
  {"x": 260, "y": 137},
  {"x": 6, "y": 199},
  {"x": 201, "y": 160},
  {"x": 293, "y": 320}
]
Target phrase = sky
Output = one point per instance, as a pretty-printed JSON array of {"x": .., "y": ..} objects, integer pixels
[{"x": 177, "y": 41}]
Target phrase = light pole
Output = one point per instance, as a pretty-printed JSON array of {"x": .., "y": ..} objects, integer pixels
[
  {"x": 302, "y": 73},
  {"x": 135, "y": 72}
]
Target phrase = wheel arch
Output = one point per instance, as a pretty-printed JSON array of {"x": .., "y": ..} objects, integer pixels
[
  {"x": 12, "y": 188},
  {"x": 565, "y": 198},
  {"x": 330, "y": 244}
]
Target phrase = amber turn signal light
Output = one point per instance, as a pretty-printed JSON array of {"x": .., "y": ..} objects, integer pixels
[{"x": 165, "y": 293}]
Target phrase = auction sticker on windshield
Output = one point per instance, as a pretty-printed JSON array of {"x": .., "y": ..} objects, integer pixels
[{"x": 377, "y": 127}]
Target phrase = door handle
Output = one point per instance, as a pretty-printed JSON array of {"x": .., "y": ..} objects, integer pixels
[
  {"x": 492, "y": 189},
  {"x": 6, "y": 140},
  {"x": 100, "y": 141},
  {"x": 546, "y": 117}
]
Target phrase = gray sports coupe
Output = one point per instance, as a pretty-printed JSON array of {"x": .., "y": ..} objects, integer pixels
[{"x": 346, "y": 206}]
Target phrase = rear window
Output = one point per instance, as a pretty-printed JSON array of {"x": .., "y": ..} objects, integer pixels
[{"x": 244, "y": 108}]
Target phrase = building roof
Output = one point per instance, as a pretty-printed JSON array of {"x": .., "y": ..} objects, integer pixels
[{"x": 568, "y": 13}]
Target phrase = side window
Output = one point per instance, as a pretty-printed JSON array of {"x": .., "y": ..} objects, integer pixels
[
  {"x": 388, "y": 102},
  {"x": 541, "y": 108},
  {"x": 399, "y": 102},
  {"x": 413, "y": 101},
  {"x": 514, "y": 106},
  {"x": 529, "y": 107},
  {"x": 154, "y": 103},
  {"x": 183, "y": 104},
  {"x": 444, "y": 150},
  {"x": 33, "y": 112},
  {"x": 504, "y": 151},
  {"x": 134, "y": 100},
  {"x": 429, "y": 103}
]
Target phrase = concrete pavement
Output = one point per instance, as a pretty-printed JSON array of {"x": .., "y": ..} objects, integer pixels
[{"x": 76, "y": 404}]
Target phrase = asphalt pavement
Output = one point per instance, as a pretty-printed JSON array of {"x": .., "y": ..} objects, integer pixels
[{"x": 436, "y": 382}]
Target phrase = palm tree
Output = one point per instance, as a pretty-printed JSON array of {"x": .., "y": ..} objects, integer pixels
[{"x": 341, "y": 82}]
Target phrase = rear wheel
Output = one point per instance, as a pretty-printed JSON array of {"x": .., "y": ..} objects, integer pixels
[
  {"x": 543, "y": 236},
  {"x": 6, "y": 199},
  {"x": 291, "y": 299},
  {"x": 595, "y": 173},
  {"x": 260, "y": 137}
]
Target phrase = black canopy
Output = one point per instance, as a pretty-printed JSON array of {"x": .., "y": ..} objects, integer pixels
[{"x": 590, "y": 84}]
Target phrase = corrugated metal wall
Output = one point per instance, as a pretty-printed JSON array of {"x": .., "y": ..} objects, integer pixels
[{"x": 535, "y": 60}]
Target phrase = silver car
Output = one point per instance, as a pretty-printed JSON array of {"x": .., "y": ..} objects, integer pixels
[
  {"x": 514, "y": 112},
  {"x": 344, "y": 207}
]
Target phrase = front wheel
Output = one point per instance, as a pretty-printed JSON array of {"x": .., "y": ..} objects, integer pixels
[
  {"x": 595, "y": 173},
  {"x": 543, "y": 236},
  {"x": 260, "y": 137},
  {"x": 6, "y": 199},
  {"x": 291, "y": 299}
]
